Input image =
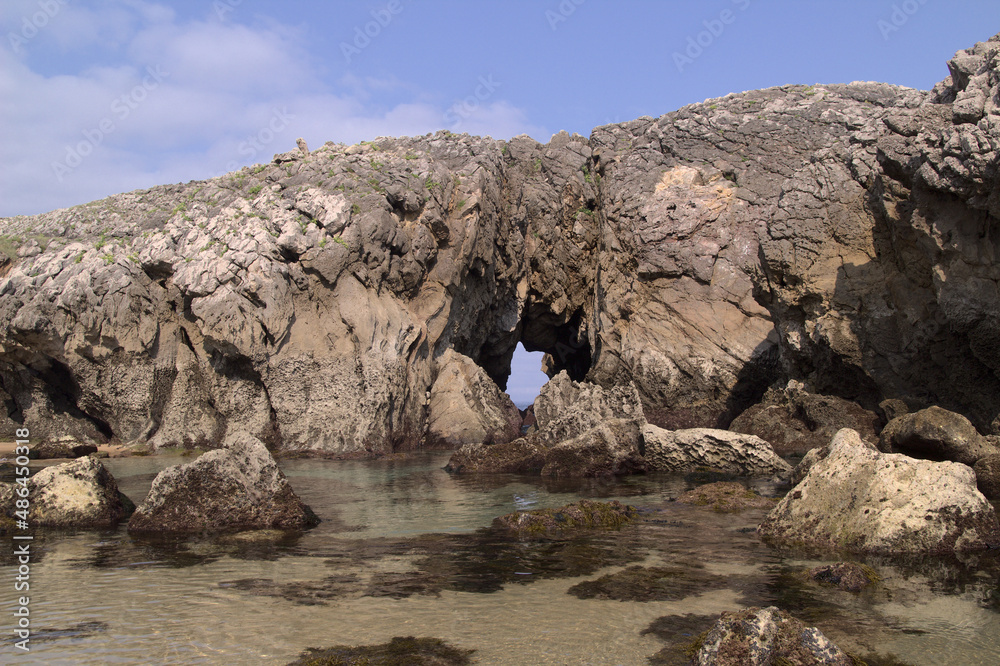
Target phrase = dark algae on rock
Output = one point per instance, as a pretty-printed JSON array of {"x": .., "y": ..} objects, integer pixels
[
  {"x": 583, "y": 515},
  {"x": 400, "y": 651}
]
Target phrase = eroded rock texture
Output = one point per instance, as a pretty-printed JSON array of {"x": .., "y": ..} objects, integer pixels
[{"x": 842, "y": 236}]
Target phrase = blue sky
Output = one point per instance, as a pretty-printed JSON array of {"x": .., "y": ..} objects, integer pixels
[{"x": 104, "y": 96}]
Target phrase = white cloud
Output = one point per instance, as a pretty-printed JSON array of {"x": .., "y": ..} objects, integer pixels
[{"x": 209, "y": 105}]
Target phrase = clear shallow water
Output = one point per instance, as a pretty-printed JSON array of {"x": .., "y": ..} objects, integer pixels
[{"x": 402, "y": 551}]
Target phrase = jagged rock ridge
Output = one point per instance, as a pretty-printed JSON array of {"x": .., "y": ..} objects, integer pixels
[{"x": 839, "y": 235}]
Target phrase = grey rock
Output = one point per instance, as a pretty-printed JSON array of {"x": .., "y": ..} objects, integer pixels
[
  {"x": 936, "y": 434},
  {"x": 764, "y": 636},
  {"x": 78, "y": 494},
  {"x": 794, "y": 421},
  {"x": 66, "y": 446},
  {"x": 866, "y": 501},
  {"x": 236, "y": 488},
  {"x": 721, "y": 450},
  {"x": 988, "y": 476},
  {"x": 466, "y": 407}
]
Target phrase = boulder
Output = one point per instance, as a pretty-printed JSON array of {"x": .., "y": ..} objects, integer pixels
[
  {"x": 583, "y": 430},
  {"x": 467, "y": 407},
  {"x": 813, "y": 457},
  {"x": 236, "y": 488},
  {"x": 608, "y": 449},
  {"x": 565, "y": 408},
  {"x": 988, "y": 476},
  {"x": 766, "y": 636},
  {"x": 794, "y": 421},
  {"x": 722, "y": 450},
  {"x": 65, "y": 446},
  {"x": 82, "y": 493},
  {"x": 866, "y": 501},
  {"x": 936, "y": 434}
]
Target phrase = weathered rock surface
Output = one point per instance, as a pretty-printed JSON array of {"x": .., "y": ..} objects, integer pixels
[
  {"x": 839, "y": 235},
  {"x": 466, "y": 407},
  {"x": 62, "y": 447},
  {"x": 936, "y": 434},
  {"x": 583, "y": 430},
  {"x": 847, "y": 576},
  {"x": 721, "y": 450},
  {"x": 582, "y": 515},
  {"x": 866, "y": 501},
  {"x": 987, "y": 471},
  {"x": 236, "y": 488},
  {"x": 725, "y": 497},
  {"x": 82, "y": 493},
  {"x": 765, "y": 636},
  {"x": 794, "y": 421}
]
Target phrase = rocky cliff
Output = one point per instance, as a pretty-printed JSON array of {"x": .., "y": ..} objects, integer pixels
[{"x": 839, "y": 235}]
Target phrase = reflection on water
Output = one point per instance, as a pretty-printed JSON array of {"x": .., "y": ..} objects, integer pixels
[{"x": 405, "y": 549}]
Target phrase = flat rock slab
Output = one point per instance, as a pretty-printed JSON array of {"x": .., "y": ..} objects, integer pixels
[
  {"x": 721, "y": 450},
  {"x": 866, "y": 501}
]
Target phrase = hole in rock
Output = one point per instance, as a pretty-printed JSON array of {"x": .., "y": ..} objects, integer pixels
[{"x": 526, "y": 377}]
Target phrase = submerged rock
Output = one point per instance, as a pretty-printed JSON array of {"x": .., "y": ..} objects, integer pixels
[
  {"x": 582, "y": 515},
  {"x": 236, "y": 488},
  {"x": 398, "y": 651},
  {"x": 848, "y": 576},
  {"x": 862, "y": 500},
  {"x": 721, "y": 450},
  {"x": 764, "y": 637},
  {"x": 82, "y": 493},
  {"x": 937, "y": 434},
  {"x": 725, "y": 497},
  {"x": 638, "y": 583},
  {"x": 794, "y": 421}
]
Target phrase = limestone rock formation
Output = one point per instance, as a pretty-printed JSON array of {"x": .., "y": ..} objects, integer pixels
[
  {"x": 583, "y": 430},
  {"x": 764, "y": 636},
  {"x": 936, "y": 434},
  {"x": 236, "y": 488},
  {"x": 466, "y": 407},
  {"x": 866, "y": 501},
  {"x": 721, "y": 450},
  {"x": 794, "y": 421},
  {"x": 836, "y": 235},
  {"x": 82, "y": 493}
]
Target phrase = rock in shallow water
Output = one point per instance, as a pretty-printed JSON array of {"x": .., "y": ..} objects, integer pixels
[
  {"x": 408, "y": 650},
  {"x": 581, "y": 515},
  {"x": 235, "y": 488},
  {"x": 82, "y": 493},
  {"x": 729, "y": 452},
  {"x": 861, "y": 500},
  {"x": 765, "y": 636}
]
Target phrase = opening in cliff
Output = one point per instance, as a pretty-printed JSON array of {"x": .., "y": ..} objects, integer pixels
[{"x": 526, "y": 376}]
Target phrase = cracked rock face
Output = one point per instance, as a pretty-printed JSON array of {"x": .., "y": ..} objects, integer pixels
[
  {"x": 859, "y": 499},
  {"x": 841, "y": 235},
  {"x": 236, "y": 488}
]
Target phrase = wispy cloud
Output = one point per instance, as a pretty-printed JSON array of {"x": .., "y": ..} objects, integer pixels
[{"x": 224, "y": 82}]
